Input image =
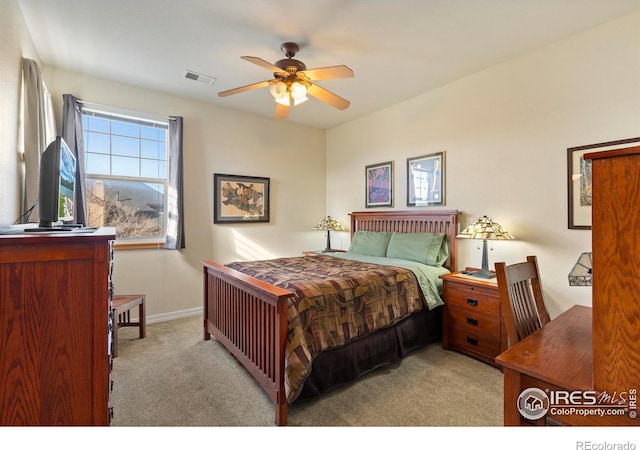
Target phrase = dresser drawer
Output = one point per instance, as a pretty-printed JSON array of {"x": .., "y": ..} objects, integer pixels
[
  {"x": 477, "y": 343},
  {"x": 478, "y": 299},
  {"x": 474, "y": 321}
]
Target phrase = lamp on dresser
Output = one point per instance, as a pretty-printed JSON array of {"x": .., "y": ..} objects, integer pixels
[
  {"x": 486, "y": 229},
  {"x": 328, "y": 224},
  {"x": 582, "y": 271}
]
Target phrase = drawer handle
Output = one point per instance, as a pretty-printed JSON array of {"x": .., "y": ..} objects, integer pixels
[
  {"x": 472, "y": 321},
  {"x": 472, "y": 341},
  {"x": 472, "y": 301}
]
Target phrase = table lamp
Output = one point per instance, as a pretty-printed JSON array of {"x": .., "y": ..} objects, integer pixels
[
  {"x": 328, "y": 224},
  {"x": 486, "y": 229},
  {"x": 581, "y": 273}
]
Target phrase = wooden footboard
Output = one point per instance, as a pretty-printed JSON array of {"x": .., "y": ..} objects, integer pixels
[{"x": 249, "y": 317}]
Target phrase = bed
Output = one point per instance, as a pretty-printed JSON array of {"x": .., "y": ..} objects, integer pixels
[{"x": 301, "y": 326}]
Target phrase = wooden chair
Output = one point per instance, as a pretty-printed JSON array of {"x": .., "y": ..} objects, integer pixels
[
  {"x": 522, "y": 304},
  {"x": 121, "y": 305}
]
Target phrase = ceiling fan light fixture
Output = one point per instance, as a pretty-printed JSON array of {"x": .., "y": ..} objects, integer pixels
[
  {"x": 284, "y": 100},
  {"x": 298, "y": 90},
  {"x": 278, "y": 89},
  {"x": 297, "y": 101}
]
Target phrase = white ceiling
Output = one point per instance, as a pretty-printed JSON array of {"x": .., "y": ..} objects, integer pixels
[{"x": 397, "y": 49}]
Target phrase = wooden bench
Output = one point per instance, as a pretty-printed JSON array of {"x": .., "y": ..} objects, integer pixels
[{"x": 121, "y": 305}]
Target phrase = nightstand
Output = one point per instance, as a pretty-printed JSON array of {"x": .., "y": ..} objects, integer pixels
[{"x": 471, "y": 321}]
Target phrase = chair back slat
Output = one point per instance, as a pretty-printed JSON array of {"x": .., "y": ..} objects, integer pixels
[{"x": 522, "y": 303}]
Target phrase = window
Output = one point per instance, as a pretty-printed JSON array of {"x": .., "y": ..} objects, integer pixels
[{"x": 126, "y": 173}]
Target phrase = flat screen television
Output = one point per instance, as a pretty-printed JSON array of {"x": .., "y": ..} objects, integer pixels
[{"x": 57, "y": 185}]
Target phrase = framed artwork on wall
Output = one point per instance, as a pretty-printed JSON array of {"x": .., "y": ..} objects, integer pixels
[
  {"x": 579, "y": 180},
  {"x": 379, "y": 184},
  {"x": 240, "y": 199},
  {"x": 425, "y": 180}
]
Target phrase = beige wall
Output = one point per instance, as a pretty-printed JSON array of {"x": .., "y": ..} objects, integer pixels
[
  {"x": 216, "y": 140},
  {"x": 15, "y": 42},
  {"x": 222, "y": 141},
  {"x": 505, "y": 132}
]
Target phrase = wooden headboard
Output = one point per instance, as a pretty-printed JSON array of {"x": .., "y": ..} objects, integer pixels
[{"x": 424, "y": 221}]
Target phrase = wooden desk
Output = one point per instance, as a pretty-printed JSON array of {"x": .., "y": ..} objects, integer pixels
[{"x": 557, "y": 357}]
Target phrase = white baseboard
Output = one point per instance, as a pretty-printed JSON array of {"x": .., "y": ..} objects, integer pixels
[{"x": 174, "y": 315}]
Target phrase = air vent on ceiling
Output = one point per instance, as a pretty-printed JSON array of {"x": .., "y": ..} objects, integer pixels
[{"x": 195, "y": 76}]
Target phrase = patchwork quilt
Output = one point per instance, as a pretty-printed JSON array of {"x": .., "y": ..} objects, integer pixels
[{"x": 335, "y": 301}]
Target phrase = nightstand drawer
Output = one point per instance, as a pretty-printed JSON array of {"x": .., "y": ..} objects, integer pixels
[
  {"x": 477, "y": 299},
  {"x": 465, "y": 318},
  {"x": 478, "y": 343}
]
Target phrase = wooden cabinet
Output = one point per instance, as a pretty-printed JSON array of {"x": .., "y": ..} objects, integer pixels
[
  {"x": 55, "y": 328},
  {"x": 471, "y": 320},
  {"x": 616, "y": 269}
]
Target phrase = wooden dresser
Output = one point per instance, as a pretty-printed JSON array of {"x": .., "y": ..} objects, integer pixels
[
  {"x": 616, "y": 269},
  {"x": 471, "y": 321},
  {"x": 55, "y": 361}
]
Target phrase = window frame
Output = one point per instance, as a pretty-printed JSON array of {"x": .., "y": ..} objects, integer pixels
[{"x": 111, "y": 113}]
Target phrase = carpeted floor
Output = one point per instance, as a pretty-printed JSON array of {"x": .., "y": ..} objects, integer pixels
[{"x": 175, "y": 378}]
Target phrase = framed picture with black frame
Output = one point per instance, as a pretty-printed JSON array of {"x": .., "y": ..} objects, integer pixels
[
  {"x": 579, "y": 181},
  {"x": 379, "y": 184},
  {"x": 240, "y": 199},
  {"x": 425, "y": 180}
]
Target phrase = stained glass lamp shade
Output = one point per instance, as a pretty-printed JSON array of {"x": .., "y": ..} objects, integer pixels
[
  {"x": 485, "y": 228},
  {"x": 581, "y": 273},
  {"x": 328, "y": 224}
]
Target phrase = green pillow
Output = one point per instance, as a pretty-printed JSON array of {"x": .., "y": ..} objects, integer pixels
[
  {"x": 371, "y": 243},
  {"x": 443, "y": 255},
  {"x": 425, "y": 248}
]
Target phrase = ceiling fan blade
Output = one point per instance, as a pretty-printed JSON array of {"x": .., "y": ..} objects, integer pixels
[
  {"x": 246, "y": 88},
  {"x": 265, "y": 65},
  {"x": 326, "y": 73},
  {"x": 328, "y": 97},
  {"x": 282, "y": 111}
]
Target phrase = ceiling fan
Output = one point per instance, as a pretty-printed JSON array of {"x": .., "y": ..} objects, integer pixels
[{"x": 292, "y": 81}]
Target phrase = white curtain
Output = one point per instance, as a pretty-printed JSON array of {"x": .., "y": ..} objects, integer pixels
[{"x": 38, "y": 129}]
